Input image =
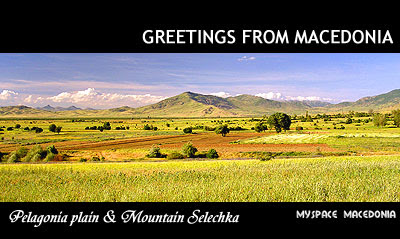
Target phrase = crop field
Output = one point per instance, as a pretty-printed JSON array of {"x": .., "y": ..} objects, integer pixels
[
  {"x": 373, "y": 178},
  {"x": 331, "y": 160}
]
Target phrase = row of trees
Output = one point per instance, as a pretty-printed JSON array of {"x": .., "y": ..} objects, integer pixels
[
  {"x": 188, "y": 151},
  {"x": 278, "y": 121}
]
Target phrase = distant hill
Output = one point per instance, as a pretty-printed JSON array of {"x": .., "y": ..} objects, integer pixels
[
  {"x": 384, "y": 102},
  {"x": 55, "y": 109},
  {"x": 189, "y": 104}
]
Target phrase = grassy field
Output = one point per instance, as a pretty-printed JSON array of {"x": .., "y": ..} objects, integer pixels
[
  {"x": 374, "y": 178},
  {"x": 324, "y": 161}
]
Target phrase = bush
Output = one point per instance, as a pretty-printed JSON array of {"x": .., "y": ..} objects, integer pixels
[
  {"x": 155, "y": 152},
  {"x": 82, "y": 160},
  {"x": 12, "y": 158},
  {"x": 260, "y": 127},
  {"x": 38, "y": 130},
  {"x": 95, "y": 159},
  {"x": 35, "y": 154},
  {"x": 17, "y": 126},
  {"x": 175, "y": 155},
  {"x": 58, "y": 129},
  {"x": 52, "y": 149},
  {"x": 266, "y": 157},
  {"x": 212, "y": 154},
  {"x": 189, "y": 150},
  {"x": 299, "y": 128},
  {"x": 49, "y": 157},
  {"x": 222, "y": 129},
  {"x": 21, "y": 152},
  {"x": 52, "y": 128},
  {"x": 188, "y": 130}
]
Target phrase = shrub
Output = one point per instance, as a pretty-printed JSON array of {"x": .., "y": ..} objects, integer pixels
[
  {"x": 26, "y": 128},
  {"x": 260, "y": 127},
  {"x": 155, "y": 152},
  {"x": 82, "y": 160},
  {"x": 188, "y": 130},
  {"x": 36, "y": 158},
  {"x": 38, "y": 130},
  {"x": 107, "y": 126},
  {"x": 12, "y": 158},
  {"x": 147, "y": 127},
  {"x": 212, "y": 154},
  {"x": 189, "y": 150},
  {"x": 266, "y": 157},
  {"x": 175, "y": 155},
  {"x": 17, "y": 126},
  {"x": 35, "y": 154},
  {"x": 21, "y": 152},
  {"x": 49, "y": 157},
  {"x": 52, "y": 149},
  {"x": 95, "y": 159},
  {"x": 222, "y": 129},
  {"x": 299, "y": 128},
  {"x": 58, "y": 129},
  {"x": 10, "y": 128},
  {"x": 52, "y": 128}
]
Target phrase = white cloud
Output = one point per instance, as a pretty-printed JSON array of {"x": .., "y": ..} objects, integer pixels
[
  {"x": 279, "y": 96},
  {"x": 306, "y": 98},
  {"x": 270, "y": 95},
  {"x": 221, "y": 94},
  {"x": 8, "y": 95},
  {"x": 93, "y": 98},
  {"x": 246, "y": 58},
  {"x": 28, "y": 99}
]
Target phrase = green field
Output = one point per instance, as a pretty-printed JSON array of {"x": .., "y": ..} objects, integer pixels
[
  {"x": 373, "y": 178},
  {"x": 323, "y": 161}
]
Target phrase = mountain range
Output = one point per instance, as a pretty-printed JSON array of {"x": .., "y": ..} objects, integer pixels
[{"x": 189, "y": 104}]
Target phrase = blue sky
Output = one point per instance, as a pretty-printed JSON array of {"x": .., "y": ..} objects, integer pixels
[{"x": 113, "y": 80}]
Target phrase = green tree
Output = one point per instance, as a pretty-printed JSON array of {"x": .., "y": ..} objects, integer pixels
[
  {"x": 222, "y": 129},
  {"x": 396, "y": 117},
  {"x": 379, "y": 119},
  {"x": 260, "y": 126},
  {"x": 279, "y": 121},
  {"x": 155, "y": 152},
  {"x": 52, "y": 128},
  {"x": 187, "y": 130},
  {"x": 58, "y": 129},
  {"x": 107, "y": 126},
  {"x": 189, "y": 150},
  {"x": 349, "y": 120},
  {"x": 212, "y": 154}
]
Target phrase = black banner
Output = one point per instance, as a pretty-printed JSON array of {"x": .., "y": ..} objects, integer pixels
[{"x": 229, "y": 218}]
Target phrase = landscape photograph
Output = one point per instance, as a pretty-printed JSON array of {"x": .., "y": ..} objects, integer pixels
[{"x": 199, "y": 127}]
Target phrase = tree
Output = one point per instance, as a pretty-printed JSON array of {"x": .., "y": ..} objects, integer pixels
[
  {"x": 279, "y": 121},
  {"x": 155, "y": 152},
  {"x": 396, "y": 117},
  {"x": 379, "y": 119},
  {"x": 189, "y": 150},
  {"x": 260, "y": 126},
  {"x": 222, "y": 129},
  {"x": 107, "y": 126},
  {"x": 212, "y": 154},
  {"x": 58, "y": 129},
  {"x": 52, "y": 128},
  {"x": 349, "y": 120},
  {"x": 187, "y": 130}
]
